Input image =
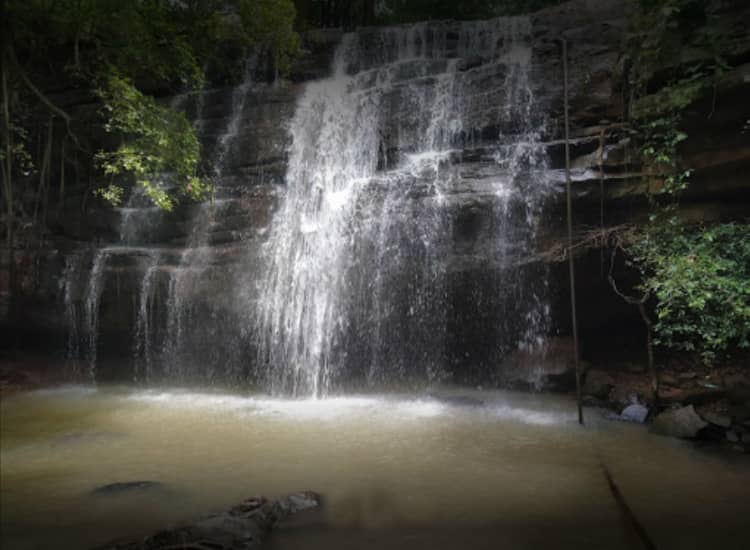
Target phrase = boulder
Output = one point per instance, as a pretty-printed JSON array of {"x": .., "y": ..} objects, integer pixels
[
  {"x": 634, "y": 413},
  {"x": 683, "y": 422},
  {"x": 598, "y": 384},
  {"x": 669, "y": 380},
  {"x": 717, "y": 419},
  {"x": 694, "y": 395},
  {"x": 738, "y": 387},
  {"x": 537, "y": 365},
  {"x": 242, "y": 527},
  {"x": 740, "y": 413}
]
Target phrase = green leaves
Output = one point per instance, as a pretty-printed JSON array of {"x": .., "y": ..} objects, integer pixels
[
  {"x": 269, "y": 24},
  {"x": 122, "y": 50},
  {"x": 700, "y": 278},
  {"x": 158, "y": 146}
]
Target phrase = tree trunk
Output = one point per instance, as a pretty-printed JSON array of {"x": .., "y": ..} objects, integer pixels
[{"x": 7, "y": 174}]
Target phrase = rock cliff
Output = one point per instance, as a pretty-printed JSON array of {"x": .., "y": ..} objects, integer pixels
[{"x": 245, "y": 135}]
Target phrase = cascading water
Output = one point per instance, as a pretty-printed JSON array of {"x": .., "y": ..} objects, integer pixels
[
  {"x": 198, "y": 255},
  {"x": 93, "y": 294},
  {"x": 380, "y": 253},
  {"x": 143, "y": 261},
  {"x": 356, "y": 277},
  {"x": 143, "y": 337}
]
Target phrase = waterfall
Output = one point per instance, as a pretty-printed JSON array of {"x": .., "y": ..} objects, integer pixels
[
  {"x": 136, "y": 249},
  {"x": 414, "y": 187},
  {"x": 143, "y": 338},
  {"x": 356, "y": 277},
  {"x": 69, "y": 285},
  {"x": 93, "y": 295},
  {"x": 198, "y": 255}
]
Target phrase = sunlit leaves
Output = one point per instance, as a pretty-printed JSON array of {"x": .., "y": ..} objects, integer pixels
[
  {"x": 123, "y": 50},
  {"x": 158, "y": 145}
]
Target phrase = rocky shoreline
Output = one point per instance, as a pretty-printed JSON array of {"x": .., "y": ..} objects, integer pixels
[{"x": 710, "y": 405}]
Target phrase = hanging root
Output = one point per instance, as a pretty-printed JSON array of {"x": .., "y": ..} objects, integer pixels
[{"x": 587, "y": 240}]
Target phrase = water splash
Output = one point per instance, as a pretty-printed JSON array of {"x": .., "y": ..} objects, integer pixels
[{"x": 356, "y": 256}]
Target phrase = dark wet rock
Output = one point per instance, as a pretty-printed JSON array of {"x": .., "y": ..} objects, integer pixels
[
  {"x": 127, "y": 487},
  {"x": 635, "y": 413},
  {"x": 598, "y": 384},
  {"x": 733, "y": 437},
  {"x": 540, "y": 367},
  {"x": 696, "y": 395},
  {"x": 669, "y": 380},
  {"x": 737, "y": 387},
  {"x": 636, "y": 368},
  {"x": 717, "y": 419},
  {"x": 256, "y": 162},
  {"x": 242, "y": 527},
  {"x": 682, "y": 422},
  {"x": 591, "y": 401},
  {"x": 740, "y": 413}
]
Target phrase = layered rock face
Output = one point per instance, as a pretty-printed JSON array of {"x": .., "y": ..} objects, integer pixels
[{"x": 446, "y": 155}]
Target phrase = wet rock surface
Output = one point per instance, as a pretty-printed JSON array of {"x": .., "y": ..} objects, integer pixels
[
  {"x": 242, "y": 527},
  {"x": 251, "y": 181},
  {"x": 683, "y": 423},
  {"x": 697, "y": 403},
  {"x": 598, "y": 384}
]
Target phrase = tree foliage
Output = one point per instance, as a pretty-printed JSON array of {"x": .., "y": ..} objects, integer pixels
[
  {"x": 160, "y": 148},
  {"x": 698, "y": 278},
  {"x": 125, "y": 53}
]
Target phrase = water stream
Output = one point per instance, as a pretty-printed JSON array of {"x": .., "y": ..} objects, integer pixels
[{"x": 356, "y": 260}]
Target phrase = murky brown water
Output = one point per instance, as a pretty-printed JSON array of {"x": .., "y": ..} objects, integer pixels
[{"x": 396, "y": 472}]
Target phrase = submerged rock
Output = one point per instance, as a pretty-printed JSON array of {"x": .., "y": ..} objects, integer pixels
[
  {"x": 242, "y": 527},
  {"x": 683, "y": 423},
  {"x": 126, "y": 486}
]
